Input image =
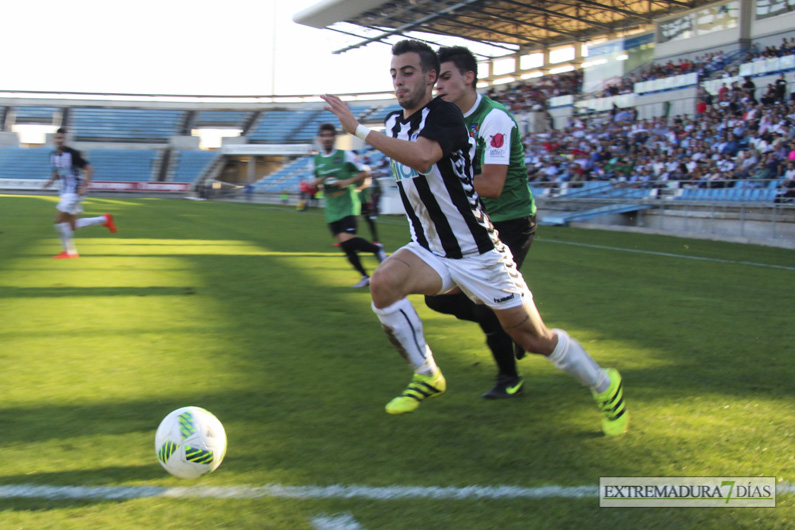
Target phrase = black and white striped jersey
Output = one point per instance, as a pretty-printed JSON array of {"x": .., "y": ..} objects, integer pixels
[
  {"x": 67, "y": 164},
  {"x": 444, "y": 211}
]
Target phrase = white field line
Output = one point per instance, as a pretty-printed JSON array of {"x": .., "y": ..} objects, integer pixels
[
  {"x": 33, "y": 491},
  {"x": 670, "y": 255},
  {"x": 339, "y": 521}
]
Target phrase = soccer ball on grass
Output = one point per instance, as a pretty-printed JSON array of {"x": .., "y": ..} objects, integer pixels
[{"x": 190, "y": 442}]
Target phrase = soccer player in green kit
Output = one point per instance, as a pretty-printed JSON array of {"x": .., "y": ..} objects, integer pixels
[
  {"x": 338, "y": 171},
  {"x": 501, "y": 182}
]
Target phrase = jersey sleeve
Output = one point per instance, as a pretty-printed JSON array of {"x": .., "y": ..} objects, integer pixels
[
  {"x": 78, "y": 160},
  {"x": 496, "y": 134},
  {"x": 445, "y": 125},
  {"x": 313, "y": 167}
]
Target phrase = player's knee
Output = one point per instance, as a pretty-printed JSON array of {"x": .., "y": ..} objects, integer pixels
[{"x": 383, "y": 288}]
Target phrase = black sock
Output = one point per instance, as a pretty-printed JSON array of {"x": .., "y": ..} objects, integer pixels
[
  {"x": 353, "y": 257},
  {"x": 362, "y": 245},
  {"x": 499, "y": 342},
  {"x": 373, "y": 230}
]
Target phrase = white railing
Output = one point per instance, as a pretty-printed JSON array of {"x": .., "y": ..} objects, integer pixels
[{"x": 667, "y": 83}]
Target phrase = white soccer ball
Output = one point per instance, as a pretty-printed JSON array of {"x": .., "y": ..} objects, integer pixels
[{"x": 190, "y": 442}]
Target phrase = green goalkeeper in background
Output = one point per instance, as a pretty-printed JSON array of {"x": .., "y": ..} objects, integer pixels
[{"x": 338, "y": 172}]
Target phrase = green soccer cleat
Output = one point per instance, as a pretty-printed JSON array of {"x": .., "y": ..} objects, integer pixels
[
  {"x": 611, "y": 403},
  {"x": 421, "y": 387}
]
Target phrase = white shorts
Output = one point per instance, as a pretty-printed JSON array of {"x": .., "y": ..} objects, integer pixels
[
  {"x": 70, "y": 203},
  {"x": 490, "y": 278}
]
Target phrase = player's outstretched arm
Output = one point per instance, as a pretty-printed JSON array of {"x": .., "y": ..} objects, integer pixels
[{"x": 420, "y": 155}]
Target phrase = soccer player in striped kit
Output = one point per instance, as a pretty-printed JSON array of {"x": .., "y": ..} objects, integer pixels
[
  {"x": 74, "y": 173},
  {"x": 453, "y": 242}
]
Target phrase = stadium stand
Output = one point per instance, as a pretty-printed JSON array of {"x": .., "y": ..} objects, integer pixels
[
  {"x": 129, "y": 125},
  {"x": 222, "y": 118},
  {"x": 124, "y": 165},
  {"x": 287, "y": 178},
  {"x": 38, "y": 115},
  {"x": 190, "y": 164},
  {"x": 308, "y": 130},
  {"x": 279, "y": 126},
  {"x": 379, "y": 115},
  {"x": 25, "y": 163}
]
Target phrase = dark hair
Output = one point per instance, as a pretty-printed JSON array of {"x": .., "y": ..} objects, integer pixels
[
  {"x": 61, "y": 130},
  {"x": 463, "y": 59},
  {"x": 327, "y": 127},
  {"x": 428, "y": 58}
]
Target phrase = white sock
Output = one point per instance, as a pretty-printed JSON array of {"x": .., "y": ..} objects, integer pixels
[
  {"x": 90, "y": 221},
  {"x": 65, "y": 231},
  {"x": 570, "y": 357},
  {"x": 403, "y": 326}
]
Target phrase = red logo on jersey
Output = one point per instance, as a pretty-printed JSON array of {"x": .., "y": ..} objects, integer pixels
[{"x": 497, "y": 140}]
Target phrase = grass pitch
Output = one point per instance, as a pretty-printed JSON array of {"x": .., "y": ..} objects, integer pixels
[{"x": 246, "y": 310}]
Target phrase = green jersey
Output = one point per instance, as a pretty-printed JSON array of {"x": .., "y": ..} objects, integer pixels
[
  {"x": 338, "y": 165},
  {"x": 499, "y": 142}
]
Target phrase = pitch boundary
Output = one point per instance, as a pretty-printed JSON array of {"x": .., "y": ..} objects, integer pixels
[{"x": 338, "y": 491}]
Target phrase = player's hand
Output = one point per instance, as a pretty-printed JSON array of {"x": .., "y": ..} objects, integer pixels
[{"x": 341, "y": 110}]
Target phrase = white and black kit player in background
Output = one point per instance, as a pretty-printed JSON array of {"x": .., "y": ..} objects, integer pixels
[
  {"x": 453, "y": 242},
  {"x": 74, "y": 174}
]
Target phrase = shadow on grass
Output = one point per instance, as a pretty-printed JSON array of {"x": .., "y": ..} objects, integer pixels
[{"x": 77, "y": 292}]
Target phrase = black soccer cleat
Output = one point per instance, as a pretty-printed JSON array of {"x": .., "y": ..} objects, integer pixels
[{"x": 507, "y": 386}]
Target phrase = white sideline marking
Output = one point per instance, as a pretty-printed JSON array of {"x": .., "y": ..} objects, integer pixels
[
  {"x": 670, "y": 255},
  {"x": 339, "y": 521},
  {"x": 33, "y": 491}
]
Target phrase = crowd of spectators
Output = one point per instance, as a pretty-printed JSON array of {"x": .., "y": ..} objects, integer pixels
[
  {"x": 732, "y": 139},
  {"x": 535, "y": 94},
  {"x": 756, "y": 53}
]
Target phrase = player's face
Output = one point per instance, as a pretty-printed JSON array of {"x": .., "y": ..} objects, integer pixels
[
  {"x": 452, "y": 85},
  {"x": 327, "y": 139},
  {"x": 59, "y": 139},
  {"x": 412, "y": 87}
]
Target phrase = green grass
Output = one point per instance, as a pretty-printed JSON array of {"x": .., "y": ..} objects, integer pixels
[{"x": 247, "y": 310}]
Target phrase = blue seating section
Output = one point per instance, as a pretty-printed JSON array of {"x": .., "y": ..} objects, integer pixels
[
  {"x": 380, "y": 115},
  {"x": 279, "y": 126},
  {"x": 308, "y": 130},
  {"x": 126, "y": 165},
  {"x": 295, "y": 126},
  {"x": 222, "y": 118},
  {"x": 190, "y": 164},
  {"x": 43, "y": 115},
  {"x": 136, "y": 125},
  {"x": 286, "y": 178},
  {"x": 742, "y": 194},
  {"x": 21, "y": 163}
]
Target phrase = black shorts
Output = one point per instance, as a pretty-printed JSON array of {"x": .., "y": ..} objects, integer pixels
[
  {"x": 345, "y": 225},
  {"x": 518, "y": 235}
]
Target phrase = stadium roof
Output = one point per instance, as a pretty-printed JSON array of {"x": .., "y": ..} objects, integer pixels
[{"x": 508, "y": 24}]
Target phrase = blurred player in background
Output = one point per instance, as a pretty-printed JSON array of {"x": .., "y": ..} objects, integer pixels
[
  {"x": 74, "y": 173},
  {"x": 501, "y": 182},
  {"x": 338, "y": 171},
  {"x": 453, "y": 241},
  {"x": 369, "y": 207}
]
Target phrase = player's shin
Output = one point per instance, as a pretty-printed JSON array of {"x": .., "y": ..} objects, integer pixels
[
  {"x": 65, "y": 233},
  {"x": 570, "y": 357},
  {"x": 404, "y": 328}
]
